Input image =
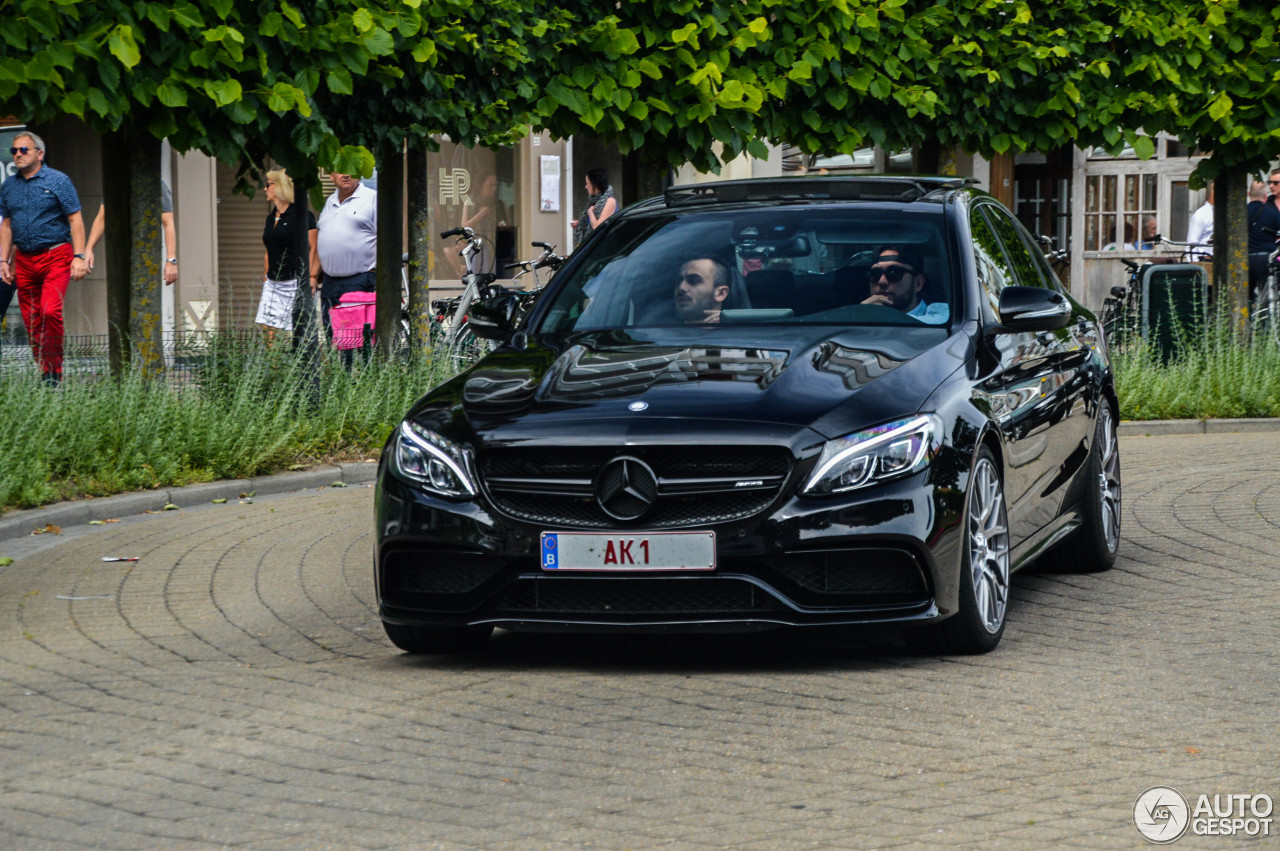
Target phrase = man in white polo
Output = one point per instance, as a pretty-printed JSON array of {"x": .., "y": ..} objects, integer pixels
[{"x": 347, "y": 243}]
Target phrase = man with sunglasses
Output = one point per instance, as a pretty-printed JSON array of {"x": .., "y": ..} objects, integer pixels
[
  {"x": 42, "y": 222},
  {"x": 1263, "y": 214},
  {"x": 896, "y": 280}
]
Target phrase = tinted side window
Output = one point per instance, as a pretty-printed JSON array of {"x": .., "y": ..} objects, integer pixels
[
  {"x": 993, "y": 269},
  {"x": 1025, "y": 269}
]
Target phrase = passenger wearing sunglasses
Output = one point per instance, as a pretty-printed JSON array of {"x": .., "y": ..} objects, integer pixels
[
  {"x": 42, "y": 247},
  {"x": 896, "y": 280}
]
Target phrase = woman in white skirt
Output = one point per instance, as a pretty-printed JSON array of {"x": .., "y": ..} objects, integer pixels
[{"x": 280, "y": 264}]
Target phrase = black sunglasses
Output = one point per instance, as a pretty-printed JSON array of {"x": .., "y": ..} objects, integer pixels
[
  {"x": 22, "y": 150},
  {"x": 893, "y": 273}
]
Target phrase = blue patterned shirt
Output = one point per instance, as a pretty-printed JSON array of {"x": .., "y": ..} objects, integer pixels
[{"x": 37, "y": 208}]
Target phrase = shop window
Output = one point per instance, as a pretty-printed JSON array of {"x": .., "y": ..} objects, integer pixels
[
  {"x": 1120, "y": 211},
  {"x": 475, "y": 188}
]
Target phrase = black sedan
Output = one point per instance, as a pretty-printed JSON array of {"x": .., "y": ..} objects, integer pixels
[{"x": 760, "y": 404}]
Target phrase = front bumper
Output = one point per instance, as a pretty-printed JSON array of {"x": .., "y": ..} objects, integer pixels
[{"x": 887, "y": 554}]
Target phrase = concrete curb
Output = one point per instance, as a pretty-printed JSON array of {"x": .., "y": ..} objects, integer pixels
[
  {"x": 1159, "y": 428},
  {"x": 19, "y": 524}
]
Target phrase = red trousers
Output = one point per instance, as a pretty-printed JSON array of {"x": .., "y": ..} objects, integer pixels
[{"x": 42, "y": 285}]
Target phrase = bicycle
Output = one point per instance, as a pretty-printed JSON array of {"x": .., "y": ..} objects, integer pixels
[
  {"x": 460, "y": 345},
  {"x": 1266, "y": 304},
  {"x": 548, "y": 259},
  {"x": 1122, "y": 310}
]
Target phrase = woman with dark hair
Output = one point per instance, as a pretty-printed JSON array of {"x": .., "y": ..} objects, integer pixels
[{"x": 601, "y": 204}]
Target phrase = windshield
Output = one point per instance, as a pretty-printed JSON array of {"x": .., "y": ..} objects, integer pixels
[{"x": 771, "y": 266}]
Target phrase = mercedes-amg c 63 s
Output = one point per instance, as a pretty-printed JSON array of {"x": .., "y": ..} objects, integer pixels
[{"x": 769, "y": 403}]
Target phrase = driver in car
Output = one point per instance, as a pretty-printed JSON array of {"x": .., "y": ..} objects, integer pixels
[
  {"x": 896, "y": 281},
  {"x": 701, "y": 291}
]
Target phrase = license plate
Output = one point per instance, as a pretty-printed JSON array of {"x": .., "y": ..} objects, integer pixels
[{"x": 645, "y": 551}]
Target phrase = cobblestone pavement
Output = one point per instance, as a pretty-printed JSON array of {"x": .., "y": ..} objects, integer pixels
[{"x": 233, "y": 688}]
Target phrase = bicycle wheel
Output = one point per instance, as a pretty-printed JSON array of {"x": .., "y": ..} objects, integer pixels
[
  {"x": 1265, "y": 325},
  {"x": 466, "y": 349}
]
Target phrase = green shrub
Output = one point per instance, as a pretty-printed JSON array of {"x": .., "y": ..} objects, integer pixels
[{"x": 246, "y": 410}]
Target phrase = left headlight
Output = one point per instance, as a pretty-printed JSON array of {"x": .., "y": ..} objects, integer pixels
[
  {"x": 436, "y": 463},
  {"x": 875, "y": 455}
]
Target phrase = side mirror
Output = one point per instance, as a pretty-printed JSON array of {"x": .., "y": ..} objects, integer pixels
[
  {"x": 1032, "y": 309},
  {"x": 494, "y": 318}
]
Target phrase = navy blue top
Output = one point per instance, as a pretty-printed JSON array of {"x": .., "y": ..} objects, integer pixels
[
  {"x": 37, "y": 208},
  {"x": 1267, "y": 217}
]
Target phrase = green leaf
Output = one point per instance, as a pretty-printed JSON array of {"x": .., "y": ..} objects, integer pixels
[
  {"x": 1144, "y": 147},
  {"x": 123, "y": 47},
  {"x": 171, "y": 96},
  {"x": 339, "y": 81},
  {"x": 224, "y": 92},
  {"x": 683, "y": 34},
  {"x": 1220, "y": 106}
]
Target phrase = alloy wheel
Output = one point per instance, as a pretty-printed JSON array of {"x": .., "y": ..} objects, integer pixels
[
  {"x": 1109, "y": 479},
  {"x": 988, "y": 541}
]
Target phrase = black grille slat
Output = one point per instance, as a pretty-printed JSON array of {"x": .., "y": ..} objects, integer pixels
[
  {"x": 697, "y": 484},
  {"x": 442, "y": 573},
  {"x": 864, "y": 571},
  {"x": 631, "y": 597}
]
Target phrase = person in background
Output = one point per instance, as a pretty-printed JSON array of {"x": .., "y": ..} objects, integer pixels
[
  {"x": 281, "y": 265},
  {"x": 6, "y": 293},
  {"x": 1200, "y": 228},
  {"x": 170, "y": 272},
  {"x": 1150, "y": 233},
  {"x": 601, "y": 204},
  {"x": 41, "y": 247},
  {"x": 1264, "y": 212},
  {"x": 346, "y": 245},
  {"x": 487, "y": 211}
]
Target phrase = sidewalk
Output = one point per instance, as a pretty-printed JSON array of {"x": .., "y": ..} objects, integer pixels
[{"x": 17, "y": 524}]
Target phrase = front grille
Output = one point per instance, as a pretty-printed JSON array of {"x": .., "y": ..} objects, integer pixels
[
  {"x": 606, "y": 597},
  {"x": 697, "y": 485},
  {"x": 876, "y": 572}
]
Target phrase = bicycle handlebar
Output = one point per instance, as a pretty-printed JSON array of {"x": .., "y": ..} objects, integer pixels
[{"x": 467, "y": 232}]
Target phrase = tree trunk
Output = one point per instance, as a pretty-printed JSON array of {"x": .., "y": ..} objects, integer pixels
[
  {"x": 1231, "y": 242},
  {"x": 307, "y": 330},
  {"x": 390, "y": 244},
  {"x": 116, "y": 191},
  {"x": 146, "y": 326},
  {"x": 419, "y": 248}
]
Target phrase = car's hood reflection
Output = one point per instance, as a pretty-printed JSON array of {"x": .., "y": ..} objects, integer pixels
[{"x": 795, "y": 380}]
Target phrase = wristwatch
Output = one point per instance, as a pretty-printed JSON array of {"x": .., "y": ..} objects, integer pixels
[
  {"x": 78, "y": 256},
  {"x": 173, "y": 260}
]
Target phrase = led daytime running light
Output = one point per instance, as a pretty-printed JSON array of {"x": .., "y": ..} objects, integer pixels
[
  {"x": 919, "y": 424},
  {"x": 441, "y": 451}
]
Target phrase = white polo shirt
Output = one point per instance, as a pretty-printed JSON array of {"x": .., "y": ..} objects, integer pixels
[{"x": 347, "y": 241}]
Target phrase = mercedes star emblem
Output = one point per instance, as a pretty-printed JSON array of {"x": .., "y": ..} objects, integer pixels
[{"x": 626, "y": 488}]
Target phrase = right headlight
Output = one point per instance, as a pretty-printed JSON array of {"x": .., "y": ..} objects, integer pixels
[
  {"x": 875, "y": 455},
  {"x": 436, "y": 463}
]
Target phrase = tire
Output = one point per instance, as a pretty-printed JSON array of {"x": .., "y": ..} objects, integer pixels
[
  {"x": 467, "y": 349},
  {"x": 437, "y": 639},
  {"x": 1092, "y": 547},
  {"x": 984, "y": 567}
]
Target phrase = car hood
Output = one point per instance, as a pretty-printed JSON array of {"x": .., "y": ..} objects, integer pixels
[{"x": 832, "y": 380}]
